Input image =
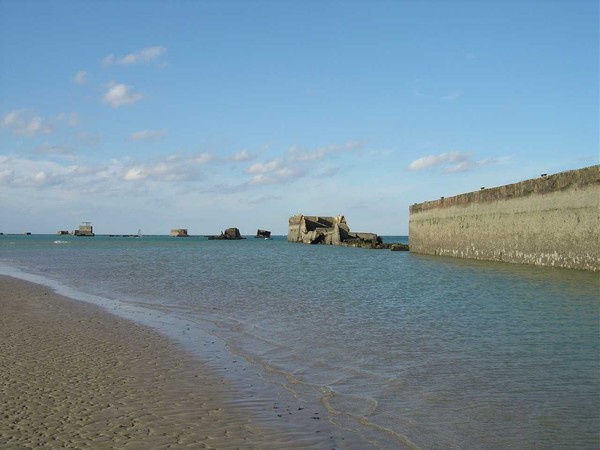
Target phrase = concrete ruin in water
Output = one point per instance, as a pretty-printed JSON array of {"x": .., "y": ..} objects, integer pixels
[
  {"x": 230, "y": 234},
  {"x": 265, "y": 234},
  {"x": 85, "y": 229},
  {"x": 331, "y": 231}
]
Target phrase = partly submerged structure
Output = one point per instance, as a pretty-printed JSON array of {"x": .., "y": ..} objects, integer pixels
[
  {"x": 264, "y": 234},
  {"x": 179, "y": 232},
  {"x": 230, "y": 234},
  {"x": 85, "y": 229},
  {"x": 330, "y": 231}
]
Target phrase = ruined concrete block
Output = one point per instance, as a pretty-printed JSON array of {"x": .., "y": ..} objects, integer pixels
[{"x": 329, "y": 230}]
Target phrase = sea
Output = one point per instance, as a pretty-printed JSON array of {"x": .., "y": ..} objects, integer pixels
[{"x": 354, "y": 348}]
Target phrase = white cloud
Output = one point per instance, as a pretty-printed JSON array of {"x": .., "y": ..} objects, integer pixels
[
  {"x": 119, "y": 94},
  {"x": 469, "y": 164},
  {"x": 452, "y": 162},
  {"x": 36, "y": 125},
  {"x": 426, "y": 162},
  {"x": 295, "y": 164},
  {"x": 40, "y": 177},
  {"x": 160, "y": 171},
  {"x": 23, "y": 173},
  {"x": 181, "y": 173},
  {"x": 11, "y": 119},
  {"x": 80, "y": 77},
  {"x": 263, "y": 167},
  {"x": 28, "y": 123},
  {"x": 276, "y": 177},
  {"x": 271, "y": 172},
  {"x": 24, "y": 123},
  {"x": 143, "y": 56},
  {"x": 202, "y": 158},
  {"x": 135, "y": 173},
  {"x": 243, "y": 155},
  {"x": 170, "y": 168},
  {"x": 151, "y": 135}
]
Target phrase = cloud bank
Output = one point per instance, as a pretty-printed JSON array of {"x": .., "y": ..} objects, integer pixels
[{"x": 22, "y": 172}]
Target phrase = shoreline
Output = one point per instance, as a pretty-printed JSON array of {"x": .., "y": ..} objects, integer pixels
[{"x": 76, "y": 375}]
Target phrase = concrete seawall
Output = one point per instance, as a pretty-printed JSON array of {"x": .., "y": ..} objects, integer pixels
[{"x": 548, "y": 221}]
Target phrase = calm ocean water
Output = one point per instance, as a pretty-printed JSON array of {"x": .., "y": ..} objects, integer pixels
[{"x": 395, "y": 349}]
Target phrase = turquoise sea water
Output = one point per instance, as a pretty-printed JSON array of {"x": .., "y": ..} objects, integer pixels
[{"x": 393, "y": 349}]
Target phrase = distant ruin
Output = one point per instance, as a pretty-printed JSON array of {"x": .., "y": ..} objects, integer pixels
[
  {"x": 265, "y": 234},
  {"x": 85, "y": 229},
  {"x": 230, "y": 234},
  {"x": 329, "y": 231}
]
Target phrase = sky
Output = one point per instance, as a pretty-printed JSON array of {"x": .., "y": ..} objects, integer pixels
[{"x": 207, "y": 115}]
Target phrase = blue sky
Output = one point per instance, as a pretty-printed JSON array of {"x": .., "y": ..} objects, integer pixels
[{"x": 207, "y": 115}]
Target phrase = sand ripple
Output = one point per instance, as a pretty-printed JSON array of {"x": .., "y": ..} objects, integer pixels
[{"x": 74, "y": 376}]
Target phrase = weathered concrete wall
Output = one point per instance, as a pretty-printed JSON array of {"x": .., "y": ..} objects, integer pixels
[{"x": 549, "y": 221}]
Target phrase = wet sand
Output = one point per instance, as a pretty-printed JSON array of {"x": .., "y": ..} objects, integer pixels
[{"x": 75, "y": 376}]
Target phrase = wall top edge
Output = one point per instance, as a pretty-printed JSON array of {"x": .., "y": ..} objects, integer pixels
[{"x": 545, "y": 184}]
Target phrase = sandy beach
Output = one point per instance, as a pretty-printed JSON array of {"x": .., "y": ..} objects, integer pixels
[{"x": 74, "y": 376}]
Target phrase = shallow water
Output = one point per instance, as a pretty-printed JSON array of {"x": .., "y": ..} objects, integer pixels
[{"x": 400, "y": 349}]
